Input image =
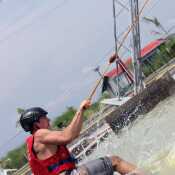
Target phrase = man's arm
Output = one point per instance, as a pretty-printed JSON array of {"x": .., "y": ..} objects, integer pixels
[
  {"x": 72, "y": 131},
  {"x": 74, "y": 128}
]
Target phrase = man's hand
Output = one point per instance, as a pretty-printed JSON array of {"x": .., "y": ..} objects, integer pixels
[{"x": 85, "y": 104}]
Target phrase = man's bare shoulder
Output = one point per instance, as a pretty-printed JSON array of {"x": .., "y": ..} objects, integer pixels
[
  {"x": 41, "y": 133},
  {"x": 47, "y": 136}
]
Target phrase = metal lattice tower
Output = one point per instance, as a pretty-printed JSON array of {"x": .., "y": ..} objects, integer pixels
[
  {"x": 116, "y": 46},
  {"x": 136, "y": 47},
  {"x": 119, "y": 62}
]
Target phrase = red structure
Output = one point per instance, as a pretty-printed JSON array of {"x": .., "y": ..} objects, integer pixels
[{"x": 125, "y": 78}]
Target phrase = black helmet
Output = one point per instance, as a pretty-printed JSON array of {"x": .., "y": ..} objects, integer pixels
[{"x": 29, "y": 116}]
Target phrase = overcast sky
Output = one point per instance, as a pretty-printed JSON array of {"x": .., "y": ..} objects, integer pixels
[{"x": 49, "y": 48}]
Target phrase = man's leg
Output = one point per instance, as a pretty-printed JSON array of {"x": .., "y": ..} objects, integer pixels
[
  {"x": 107, "y": 166},
  {"x": 101, "y": 166},
  {"x": 123, "y": 167}
]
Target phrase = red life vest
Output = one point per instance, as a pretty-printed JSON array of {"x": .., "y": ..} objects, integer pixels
[{"x": 60, "y": 161}]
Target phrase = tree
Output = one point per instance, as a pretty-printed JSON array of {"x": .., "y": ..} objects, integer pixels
[
  {"x": 16, "y": 157},
  {"x": 20, "y": 110},
  {"x": 65, "y": 118}
]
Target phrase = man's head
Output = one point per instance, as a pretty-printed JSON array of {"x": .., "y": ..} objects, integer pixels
[{"x": 33, "y": 119}]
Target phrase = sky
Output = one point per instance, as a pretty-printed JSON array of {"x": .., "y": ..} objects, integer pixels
[{"x": 48, "y": 50}]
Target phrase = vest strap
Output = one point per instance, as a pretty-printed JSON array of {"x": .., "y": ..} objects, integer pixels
[{"x": 70, "y": 159}]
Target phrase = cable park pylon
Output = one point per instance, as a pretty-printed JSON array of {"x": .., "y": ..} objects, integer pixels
[
  {"x": 136, "y": 46},
  {"x": 119, "y": 62},
  {"x": 139, "y": 79}
]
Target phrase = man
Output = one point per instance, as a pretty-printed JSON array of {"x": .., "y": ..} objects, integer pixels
[{"x": 47, "y": 152}]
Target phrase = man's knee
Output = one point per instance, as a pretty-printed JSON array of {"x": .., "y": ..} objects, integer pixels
[
  {"x": 116, "y": 160},
  {"x": 122, "y": 166},
  {"x": 83, "y": 171}
]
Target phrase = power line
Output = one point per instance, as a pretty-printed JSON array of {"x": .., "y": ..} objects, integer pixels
[
  {"x": 10, "y": 139},
  {"x": 25, "y": 26},
  {"x": 19, "y": 18}
]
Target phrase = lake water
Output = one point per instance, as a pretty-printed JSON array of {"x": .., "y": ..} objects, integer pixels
[{"x": 148, "y": 142}]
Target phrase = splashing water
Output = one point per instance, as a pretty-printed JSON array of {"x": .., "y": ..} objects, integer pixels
[{"x": 148, "y": 142}]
